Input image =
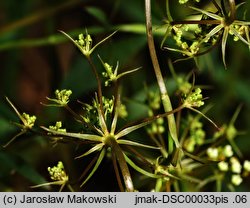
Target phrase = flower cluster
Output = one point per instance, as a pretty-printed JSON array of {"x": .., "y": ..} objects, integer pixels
[
  {"x": 196, "y": 134},
  {"x": 194, "y": 99},
  {"x": 57, "y": 127},
  {"x": 112, "y": 74},
  {"x": 85, "y": 42},
  {"x": 29, "y": 121},
  {"x": 109, "y": 73},
  {"x": 62, "y": 97},
  {"x": 229, "y": 163},
  {"x": 57, "y": 173}
]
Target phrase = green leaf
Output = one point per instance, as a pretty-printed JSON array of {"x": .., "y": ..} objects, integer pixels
[
  {"x": 140, "y": 170},
  {"x": 223, "y": 45},
  {"x": 212, "y": 15},
  {"x": 89, "y": 137},
  {"x": 98, "y": 162},
  {"x": 212, "y": 32},
  {"x": 97, "y": 147},
  {"x": 127, "y": 142},
  {"x": 130, "y": 129},
  {"x": 239, "y": 36}
]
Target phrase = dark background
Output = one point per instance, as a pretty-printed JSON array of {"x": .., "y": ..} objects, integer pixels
[{"x": 35, "y": 59}]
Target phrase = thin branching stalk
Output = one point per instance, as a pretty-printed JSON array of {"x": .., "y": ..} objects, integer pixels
[
  {"x": 99, "y": 84},
  {"x": 164, "y": 94},
  {"x": 117, "y": 104},
  {"x": 79, "y": 118}
]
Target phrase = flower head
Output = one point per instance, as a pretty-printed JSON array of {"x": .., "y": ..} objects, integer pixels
[
  {"x": 57, "y": 173},
  {"x": 194, "y": 99},
  {"x": 62, "y": 98}
]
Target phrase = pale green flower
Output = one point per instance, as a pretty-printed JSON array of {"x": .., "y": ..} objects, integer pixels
[
  {"x": 29, "y": 120},
  {"x": 223, "y": 166},
  {"x": 228, "y": 152},
  {"x": 57, "y": 127},
  {"x": 236, "y": 180},
  {"x": 235, "y": 165},
  {"x": 213, "y": 153},
  {"x": 246, "y": 165}
]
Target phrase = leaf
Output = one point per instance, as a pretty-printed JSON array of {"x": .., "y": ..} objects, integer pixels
[
  {"x": 128, "y": 72},
  {"x": 130, "y": 129},
  {"x": 89, "y": 137},
  {"x": 17, "y": 112},
  {"x": 223, "y": 45},
  {"x": 98, "y": 162},
  {"x": 202, "y": 114},
  {"x": 140, "y": 170},
  {"x": 239, "y": 36},
  {"x": 127, "y": 142},
  {"x": 93, "y": 149},
  {"x": 212, "y": 32},
  {"x": 212, "y": 15}
]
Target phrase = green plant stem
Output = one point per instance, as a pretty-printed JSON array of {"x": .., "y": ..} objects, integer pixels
[
  {"x": 168, "y": 12},
  {"x": 232, "y": 12},
  {"x": 117, "y": 104},
  {"x": 164, "y": 94},
  {"x": 111, "y": 141},
  {"x": 99, "y": 87}
]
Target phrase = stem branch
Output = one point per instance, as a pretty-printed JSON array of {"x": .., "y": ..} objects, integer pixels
[{"x": 164, "y": 94}]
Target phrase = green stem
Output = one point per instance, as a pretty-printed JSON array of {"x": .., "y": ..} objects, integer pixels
[
  {"x": 168, "y": 12},
  {"x": 232, "y": 11},
  {"x": 164, "y": 94},
  {"x": 111, "y": 141},
  {"x": 116, "y": 107},
  {"x": 99, "y": 89}
]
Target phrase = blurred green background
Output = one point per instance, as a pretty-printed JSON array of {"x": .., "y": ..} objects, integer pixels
[{"x": 35, "y": 59}]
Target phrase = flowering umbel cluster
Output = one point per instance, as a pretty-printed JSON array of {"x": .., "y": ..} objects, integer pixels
[{"x": 229, "y": 163}]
